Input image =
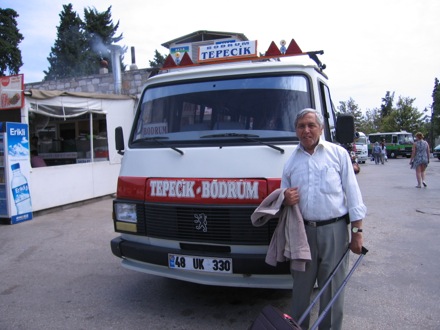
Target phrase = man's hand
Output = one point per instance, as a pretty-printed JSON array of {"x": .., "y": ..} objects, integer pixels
[
  {"x": 356, "y": 243},
  {"x": 291, "y": 196}
]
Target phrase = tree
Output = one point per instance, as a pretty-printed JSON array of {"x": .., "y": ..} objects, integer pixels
[
  {"x": 372, "y": 122},
  {"x": 387, "y": 104},
  {"x": 351, "y": 107},
  {"x": 80, "y": 46},
  {"x": 404, "y": 117},
  {"x": 158, "y": 61},
  {"x": 435, "y": 114},
  {"x": 100, "y": 32},
  {"x": 68, "y": 56},
  {"x": 10, "y": 38}
]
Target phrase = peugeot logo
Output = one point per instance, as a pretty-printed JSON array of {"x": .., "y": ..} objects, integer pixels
[{"x": 201, "y": 222}]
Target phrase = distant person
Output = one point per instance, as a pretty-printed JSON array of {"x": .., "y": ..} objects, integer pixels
[
  {"x": 36, "y": 160},
  {"x": 420, "y": 159},
  {"x": 383, "y": 153},
  {"x": 376, "y": 152}
]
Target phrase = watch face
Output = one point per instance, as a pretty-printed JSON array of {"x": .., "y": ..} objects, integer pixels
[{"x": 355, "y": 229}]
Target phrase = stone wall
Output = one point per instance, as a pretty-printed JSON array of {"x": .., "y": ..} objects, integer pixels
[{"x": 132, "y": 83}]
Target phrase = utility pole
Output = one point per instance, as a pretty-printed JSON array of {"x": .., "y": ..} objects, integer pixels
[{"x": 431, "y": 133}]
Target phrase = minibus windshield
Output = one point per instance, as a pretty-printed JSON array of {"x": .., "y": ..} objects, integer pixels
[{"x": 203, "y": 111}]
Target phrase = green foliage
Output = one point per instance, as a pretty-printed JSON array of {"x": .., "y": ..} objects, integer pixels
[
  {"x": 100, "y": 32},
  {"x": 158, "y": 61},
  {"x": 81, "y": 45},
  {"x": 10, "y": 38},
  {"x": 68, "y": 56},
  {"x": 361, "y": 123},
  {"x": 387, "y": 104},
  {"x": 404, "y": 116},
  {"x": 101, "y": 25},
  {"x": 372, "y": 121},
  {"x": 435, "y": 115}
]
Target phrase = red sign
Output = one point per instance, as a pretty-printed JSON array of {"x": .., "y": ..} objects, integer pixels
[
  {"x": 206, "y": 191},
  {"x": 196, "y": 190},
  {"x": 11, "y": 92}
]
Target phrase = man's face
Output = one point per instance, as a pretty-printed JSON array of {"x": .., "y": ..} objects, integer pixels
[{"x": 308, "y": 132}]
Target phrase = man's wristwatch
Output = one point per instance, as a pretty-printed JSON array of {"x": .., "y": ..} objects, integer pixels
[{"x": 356, "y": 230}]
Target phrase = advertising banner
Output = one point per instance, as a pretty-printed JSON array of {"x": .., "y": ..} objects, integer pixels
[
  {"x": 11, "y": 92},
  {"x": 18, "y": 167}
]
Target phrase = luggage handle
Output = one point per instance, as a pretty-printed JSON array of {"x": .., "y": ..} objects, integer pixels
[{"x": 327, "y": 283}]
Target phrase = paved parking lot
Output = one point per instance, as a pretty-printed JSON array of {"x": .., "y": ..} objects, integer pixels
[{"x": 57, "y": 270}]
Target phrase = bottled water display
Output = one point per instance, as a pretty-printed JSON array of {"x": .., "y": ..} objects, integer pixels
[{"x": 20, "y": 190}]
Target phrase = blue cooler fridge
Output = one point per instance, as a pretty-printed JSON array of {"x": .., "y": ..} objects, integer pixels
[{"x": 15, "y": 167}]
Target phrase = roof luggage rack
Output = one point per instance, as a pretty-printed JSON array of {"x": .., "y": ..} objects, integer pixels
[{"x": 273, "y": 52}]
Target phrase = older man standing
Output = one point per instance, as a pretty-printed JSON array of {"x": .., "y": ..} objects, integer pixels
[{"x": 319, "y": 177}]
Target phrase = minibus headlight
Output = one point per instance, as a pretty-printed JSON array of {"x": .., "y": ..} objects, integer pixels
[{"x": 125, "y": 212}]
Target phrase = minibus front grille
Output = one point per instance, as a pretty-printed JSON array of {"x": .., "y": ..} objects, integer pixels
[{"x": 204, "y": 223}]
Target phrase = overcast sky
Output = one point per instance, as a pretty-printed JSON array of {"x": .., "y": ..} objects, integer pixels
[{"x": 370, "y": 47}]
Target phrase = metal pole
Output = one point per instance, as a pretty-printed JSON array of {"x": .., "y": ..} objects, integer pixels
[
  {"x": 431, "y": 134},
  {"x": 116, "y": 66},
  {"x": 92, "y": 153}
]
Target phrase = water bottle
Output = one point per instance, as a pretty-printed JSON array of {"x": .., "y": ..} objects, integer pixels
[{"x": 20, "y": 190}]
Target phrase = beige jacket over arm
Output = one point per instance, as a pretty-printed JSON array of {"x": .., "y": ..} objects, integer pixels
[{"x": 289, "y": 240}]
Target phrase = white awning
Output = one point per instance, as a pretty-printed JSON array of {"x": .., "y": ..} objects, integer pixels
[{"x": 60, "y": 104}]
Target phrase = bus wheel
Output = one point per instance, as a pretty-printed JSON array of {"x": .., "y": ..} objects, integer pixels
[{"x": 392, "y": 155}]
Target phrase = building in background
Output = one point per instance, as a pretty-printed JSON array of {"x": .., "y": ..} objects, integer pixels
[{"x": 72, "y": 123}]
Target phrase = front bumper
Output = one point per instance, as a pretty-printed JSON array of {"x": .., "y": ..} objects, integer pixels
[{"x": 249, "y": 270}]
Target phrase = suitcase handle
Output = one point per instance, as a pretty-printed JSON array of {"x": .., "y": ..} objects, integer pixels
[
  {"x": 327, "y": 283},
  {"x": 344, "y": 283}
]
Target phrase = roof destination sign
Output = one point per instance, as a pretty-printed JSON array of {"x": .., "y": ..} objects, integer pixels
[{"x": 228, "y": 50}]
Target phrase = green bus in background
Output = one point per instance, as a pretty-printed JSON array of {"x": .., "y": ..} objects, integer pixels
[{"x": 397, "y": 143}]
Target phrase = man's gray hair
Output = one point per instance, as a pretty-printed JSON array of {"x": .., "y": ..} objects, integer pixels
[{"x": 306, "y": 111}]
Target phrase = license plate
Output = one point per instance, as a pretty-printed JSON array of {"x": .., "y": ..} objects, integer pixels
[{"x": 200, "y": 264}]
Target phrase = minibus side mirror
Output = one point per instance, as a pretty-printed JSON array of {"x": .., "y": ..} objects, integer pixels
[
  {"x": 119, "y": 140},
  {"x": 345, "y": 129}
]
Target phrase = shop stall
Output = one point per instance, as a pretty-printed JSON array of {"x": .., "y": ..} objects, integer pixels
[{"x": 72, "y": 142}]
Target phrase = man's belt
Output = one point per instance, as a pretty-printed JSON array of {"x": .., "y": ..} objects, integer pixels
[{"x": 325, "y": 222}]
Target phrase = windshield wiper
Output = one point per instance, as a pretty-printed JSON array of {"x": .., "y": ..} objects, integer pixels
[
  {"x": 247, "y": 137},
  {"x": 157, "y": 139}
]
